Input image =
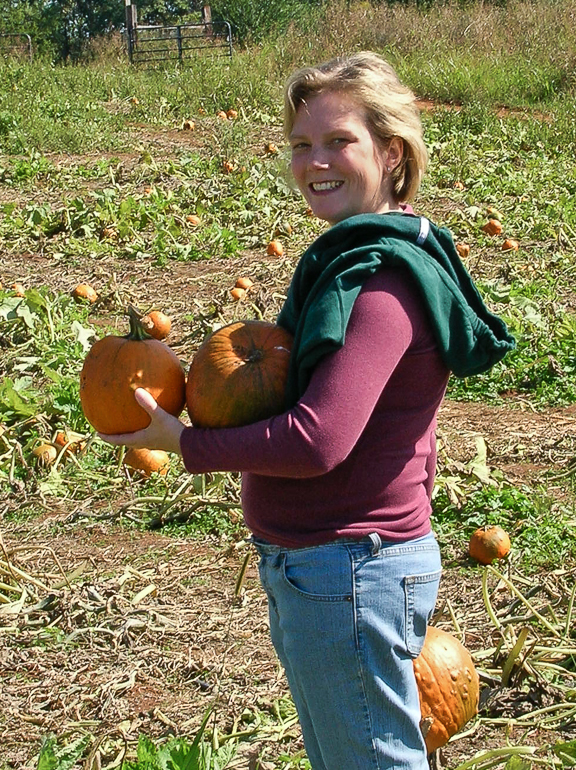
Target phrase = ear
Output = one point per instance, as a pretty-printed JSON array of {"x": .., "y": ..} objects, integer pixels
[{"x": 394, "y": 152}]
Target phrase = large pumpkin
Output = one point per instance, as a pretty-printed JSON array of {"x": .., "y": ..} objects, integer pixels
[
  {"x": 116, "y": 366},
  {"x": 238, "y": 375},
  {"x": 448, "y": 685}
]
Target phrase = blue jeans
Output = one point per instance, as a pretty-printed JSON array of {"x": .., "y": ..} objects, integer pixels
[{"x": 346, "y": 620}]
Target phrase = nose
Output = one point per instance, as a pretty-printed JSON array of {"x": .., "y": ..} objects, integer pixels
[{"x": 317, "y": 160}]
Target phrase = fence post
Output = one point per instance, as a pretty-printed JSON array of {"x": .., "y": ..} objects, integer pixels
[
  {"x": 179, "y": 40},
  {"x": 131, "y": 16},
  {"x": 206, "y": 14}
]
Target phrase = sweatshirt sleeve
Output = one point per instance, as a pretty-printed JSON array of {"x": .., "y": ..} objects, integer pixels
[{"x": 320, "y": 431}]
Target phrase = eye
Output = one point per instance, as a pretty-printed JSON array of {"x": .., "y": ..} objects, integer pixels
[{"x": 299, "y": 146}]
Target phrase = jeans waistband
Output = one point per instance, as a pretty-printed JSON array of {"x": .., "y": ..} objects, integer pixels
[{"x": 373, "y": 540}]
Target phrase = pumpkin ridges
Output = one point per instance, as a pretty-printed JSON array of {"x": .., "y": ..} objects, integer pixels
[
  {"x": 238, "y": 375},
  {"x": 448, "y": 686},
  {"x": 115, "y": 367}
]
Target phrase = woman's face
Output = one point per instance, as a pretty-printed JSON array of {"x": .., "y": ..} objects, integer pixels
[{"x": 336, "y": 162}]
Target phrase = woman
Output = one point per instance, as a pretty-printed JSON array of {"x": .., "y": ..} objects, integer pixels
[{"x": 337, "y": 490}]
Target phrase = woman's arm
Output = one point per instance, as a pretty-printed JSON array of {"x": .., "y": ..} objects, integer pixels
[{"x": 321, "y": 430}]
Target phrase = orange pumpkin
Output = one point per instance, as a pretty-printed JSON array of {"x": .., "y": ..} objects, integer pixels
[
  {"x": 510, "y": 245},
  {"x": 275, "y": 249},
  {"x": 488, "y": 543},
  {"x": 157, "y": 324},
  {"x": 116, "y": 366},
  {"x": 148, "y": 461},
  {"x": 463, "y": 250},
  {"x": 492, "y": 227},
  {"x": 84, "y": 293},
  {"x": 244, "y": 283},
  {"x": 237, "y": 293},
  {"x": 448, "y": 687},
  {"x": 238, "y": 375}
]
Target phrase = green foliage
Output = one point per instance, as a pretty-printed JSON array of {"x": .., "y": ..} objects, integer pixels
[
  {"x": 540, "y": 528},
  {"x": 253, "y": 20},
  {"x": 53, "y": 757},
  {"x": 180, "y": 754},
  {"x": 45, "y": 340}
]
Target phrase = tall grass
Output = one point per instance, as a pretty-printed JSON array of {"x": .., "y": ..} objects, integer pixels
[{"x": 522, "y": 55}]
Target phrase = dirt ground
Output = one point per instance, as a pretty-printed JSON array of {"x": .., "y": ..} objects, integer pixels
[{"x": 140, "y": 632}]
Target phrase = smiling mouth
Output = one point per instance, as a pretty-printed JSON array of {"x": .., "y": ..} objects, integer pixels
[{"x": 324, "y": 186}]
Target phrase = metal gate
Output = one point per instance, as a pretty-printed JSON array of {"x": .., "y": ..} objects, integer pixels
[
  {"x": 180, "y": 42},
  {"x": 15, "y": 45}
]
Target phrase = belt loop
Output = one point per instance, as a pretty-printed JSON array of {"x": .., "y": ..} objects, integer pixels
[{"x": 376, "y": 541}]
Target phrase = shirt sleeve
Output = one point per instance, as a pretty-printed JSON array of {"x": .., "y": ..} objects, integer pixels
[{"x": 321, "y": 430}]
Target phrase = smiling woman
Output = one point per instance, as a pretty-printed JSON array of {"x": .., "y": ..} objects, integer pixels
[
  {"x": 337, "y": 163},
  {"x": 336, "y": 490}
]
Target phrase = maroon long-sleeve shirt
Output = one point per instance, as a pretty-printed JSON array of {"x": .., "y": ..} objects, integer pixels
[{"x": 357, "y": 453}]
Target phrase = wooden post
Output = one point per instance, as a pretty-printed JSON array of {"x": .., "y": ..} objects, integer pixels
[
  {"x": 206, "y": 14},
  {"x": 131, "y": 16}
]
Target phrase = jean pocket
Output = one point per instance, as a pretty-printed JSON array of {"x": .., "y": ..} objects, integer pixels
[
  {"x": 420, "y": 592},
  {"x": 323, "y": 574}
]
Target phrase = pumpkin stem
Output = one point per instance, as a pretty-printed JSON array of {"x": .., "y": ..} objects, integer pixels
[{"x": 137, "y": 331}]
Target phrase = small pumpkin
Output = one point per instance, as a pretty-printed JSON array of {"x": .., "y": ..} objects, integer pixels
[
  {"x": 84, "y": 293},
  {"x": 45, "y": 454},
  {"x": 115, "y": 366},
  {"x": 222, "y": 115},
  {"x": 193, "y": 219},
  {"x": 510, "y": 245},
  {"x": 157, "y": 324},
  {"x": 231, "y": 114},
  {"x": 237, "y": 293},
  {"x": 492, "y": 227},
  {"x": 275, "y": 249},
  {"x": 270, "y": 148},
  {"x": 244, "y": 283},
  {"x": 238, "y": 375},
  {"x": 188, "y": 125},
  {"x": 463, "y": 250},
  {"x": 227, "y": 166},
  {"x": 448, "y": 687},
  {"x": 489, "y": 543},
  {"x": 148, "y": 461},
  {"x": 69, "y": 441}
]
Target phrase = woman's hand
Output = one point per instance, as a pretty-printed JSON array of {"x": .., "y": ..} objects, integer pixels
[{"x": 163, "y": 432}]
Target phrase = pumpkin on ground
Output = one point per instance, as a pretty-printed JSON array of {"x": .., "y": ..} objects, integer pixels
[
  {"x": 84, "y": 293},
  {"x": 45, "y": 454},
  {"x": 157, "y": 324},
  {"x": 148, "y": 461},
  {"x": 448, "y": 686},
  {"x": 238, "y": 375},
  {"x": 116, "y": 366},
  {"x": 488, "y": 543}
]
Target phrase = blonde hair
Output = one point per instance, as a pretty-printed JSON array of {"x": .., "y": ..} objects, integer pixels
[{"x": 390, "y": 108}]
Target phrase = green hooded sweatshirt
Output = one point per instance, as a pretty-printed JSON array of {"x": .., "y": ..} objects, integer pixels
[{"x": 331, "y": 273}]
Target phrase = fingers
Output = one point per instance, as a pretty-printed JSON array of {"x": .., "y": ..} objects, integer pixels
[
  {"x": 136, "y": 439},
  {"x": 146, "y": 400}
]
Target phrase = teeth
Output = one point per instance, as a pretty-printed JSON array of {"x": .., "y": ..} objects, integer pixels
[{"x": 318, "y": 186}]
